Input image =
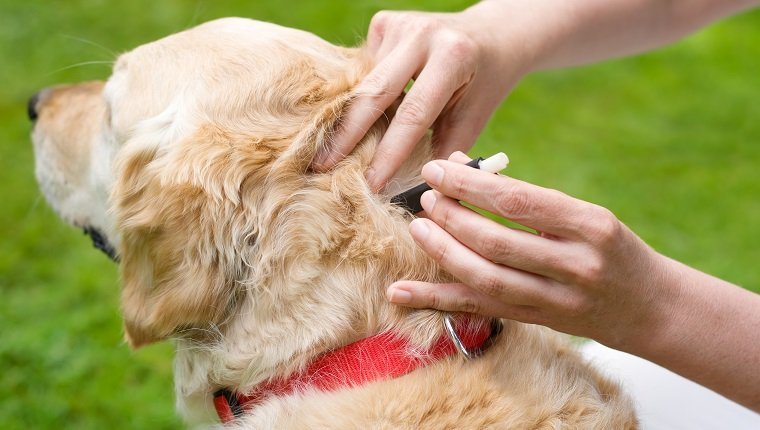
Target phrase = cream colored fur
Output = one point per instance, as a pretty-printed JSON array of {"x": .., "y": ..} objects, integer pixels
[{"x": 253, "y": 264}]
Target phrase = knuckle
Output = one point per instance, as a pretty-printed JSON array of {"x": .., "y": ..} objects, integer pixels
[
  {"x": 469, "y": 305},
  {"x": 512, "y": 200},
  {"x": 603, "y": 227},
  {"x": 441, "y": 253},
  {"x": 379, "y": 22},
  {"x": 459, "y": 46},
  {"x": 425, "y": 24},
  {"x": 489, "y": 284},
  {"x": 577, "y": 271},
  {"x": 442, "y": 215},
  {"x": 576, "y": 306},
  {"x": 560, "y": 262},
  {"x": 494, "y": 246},
  {"x": 435, "y": 300},
  {"x": 457, "y": 184},
  {"x": 412, "y": 113},
  {"x": 591, "y": 271},
  {"x": 376, "y": 85}
]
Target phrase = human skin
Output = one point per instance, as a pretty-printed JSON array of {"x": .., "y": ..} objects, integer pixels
[
  {"x": 584, "y": 273},
  {"x": 464, "y": 64}
]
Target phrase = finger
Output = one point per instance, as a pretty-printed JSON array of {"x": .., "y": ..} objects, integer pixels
[
  {"x": 499, "y": 282},
  {"x": 497, "y": 243},
  {"x": 377, "y": 91},
  {"x": 460, "y": 123},
  {"x": 457, "y": 129},
  {"x": 421, "y": 106},
  {"x": 459, "y": 157},
  {"x": 457, "y": 298},
  {"x": 536, "y": 207},
  {"x": 377, "y": 28}
]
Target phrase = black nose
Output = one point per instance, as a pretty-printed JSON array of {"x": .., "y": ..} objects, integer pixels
[{"x": 31, "y": 107}]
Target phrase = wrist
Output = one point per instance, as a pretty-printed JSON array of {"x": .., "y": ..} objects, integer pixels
[
  {"x": 527, "y": 35},
  {"x": 686, "y": 303},
  {"x": 504, "y": 38},
  {"x": 661, "y": 310}
]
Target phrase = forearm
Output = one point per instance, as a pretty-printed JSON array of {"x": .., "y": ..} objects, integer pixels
[
  {"x": 587, "y": 274},
  {"x": 707, "y": 330},
  {"x": 561, "y": 33}
]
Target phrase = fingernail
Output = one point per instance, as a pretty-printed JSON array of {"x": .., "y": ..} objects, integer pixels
[
  {"x": 371, "y": 176},
  {"x": 398, "y": 296},
  {"x": 428, "y": 200},
  {"x": 419, "y": 229},
  {"x": 432, "y": 173}
]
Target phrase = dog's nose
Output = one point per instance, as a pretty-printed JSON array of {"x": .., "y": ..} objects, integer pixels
[{"x": 31, "y": 107}]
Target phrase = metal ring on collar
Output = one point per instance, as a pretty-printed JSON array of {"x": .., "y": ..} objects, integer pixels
[{"x": 448, "y": 324}]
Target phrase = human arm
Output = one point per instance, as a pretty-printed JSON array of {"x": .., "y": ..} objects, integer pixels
[
  {"x": 585, "y": 274},
  {"x": 464, "y": 64}
]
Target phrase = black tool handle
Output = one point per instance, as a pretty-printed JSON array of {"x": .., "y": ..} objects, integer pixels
[{"x": 410, "y": 199}]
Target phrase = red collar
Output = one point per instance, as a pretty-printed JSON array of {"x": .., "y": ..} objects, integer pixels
[{"x": 378, "y": 357}]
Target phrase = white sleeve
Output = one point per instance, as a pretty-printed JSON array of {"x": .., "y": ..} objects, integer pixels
[{"x": 665, "y": 400}]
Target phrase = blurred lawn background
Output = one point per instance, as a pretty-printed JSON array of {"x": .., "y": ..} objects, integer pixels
[{"x": 668, "y": 141}]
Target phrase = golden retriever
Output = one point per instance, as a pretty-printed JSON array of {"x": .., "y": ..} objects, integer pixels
[{"x": 191, "y": 166}]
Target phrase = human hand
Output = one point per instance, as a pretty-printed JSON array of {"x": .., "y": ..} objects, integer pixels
[
  {"x": 460, "y": 76},
  {"x": 463, "y": 64},
  {"x": 584, "y": 273}
]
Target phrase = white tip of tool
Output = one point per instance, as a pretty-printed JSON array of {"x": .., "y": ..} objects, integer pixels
[{"x": 494, "y": 163}]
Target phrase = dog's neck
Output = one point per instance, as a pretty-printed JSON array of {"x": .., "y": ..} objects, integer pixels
[
  {"x": 323, "y": 286},
  {"x": 382, "y": 356}
]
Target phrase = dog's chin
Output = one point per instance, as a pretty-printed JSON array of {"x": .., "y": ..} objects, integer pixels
[{"x": 100, "y": 239}]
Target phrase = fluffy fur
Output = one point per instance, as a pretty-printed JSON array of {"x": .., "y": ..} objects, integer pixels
[{"x": 253, "y": 264}]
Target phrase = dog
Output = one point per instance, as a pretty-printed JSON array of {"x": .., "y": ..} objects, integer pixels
[{"x": 190, "y": 167}]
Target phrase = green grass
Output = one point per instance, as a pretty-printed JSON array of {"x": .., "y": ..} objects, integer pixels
[{"x": 668, "y": 141}]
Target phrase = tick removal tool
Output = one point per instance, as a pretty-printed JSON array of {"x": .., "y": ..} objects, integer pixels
[{"x": 410, "y": 199}]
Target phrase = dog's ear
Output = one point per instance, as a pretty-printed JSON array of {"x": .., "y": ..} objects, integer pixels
[
  {"x": 183, "y": 226},
  {"x": 186, "y": 209},
  {"x": 327, "y": 96},
  {"x": 316, "y": 135},
  {"x": 168, "y": 287},
  {"x": 185, "y": 215}
]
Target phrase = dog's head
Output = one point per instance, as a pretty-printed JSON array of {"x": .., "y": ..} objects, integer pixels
[{"x": 192, "y": 163}]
